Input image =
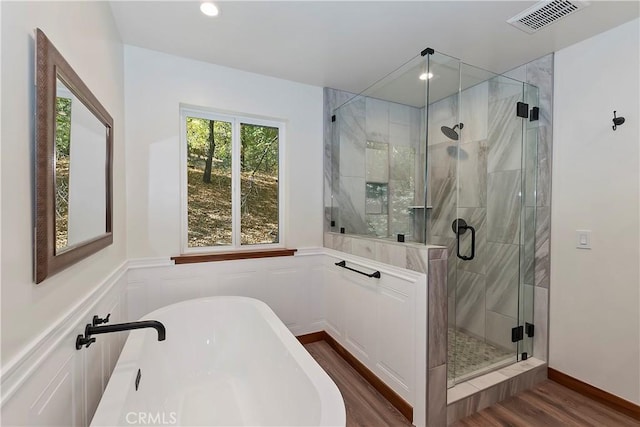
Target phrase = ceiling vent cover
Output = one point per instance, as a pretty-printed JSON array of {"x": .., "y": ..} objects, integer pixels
[{"x": 545, "y": 13}]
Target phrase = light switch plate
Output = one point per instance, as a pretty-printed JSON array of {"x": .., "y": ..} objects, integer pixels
[{"x": 583, "y": 239}]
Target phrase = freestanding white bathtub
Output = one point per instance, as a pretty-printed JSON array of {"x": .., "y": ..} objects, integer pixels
[{"x": 225, "y": 361}]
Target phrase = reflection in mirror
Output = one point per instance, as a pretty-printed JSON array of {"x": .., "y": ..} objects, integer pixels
[
  {"x": 73, "y": 166},
  {"x": 79, "y": 153},
  {"x": 63, "y": 127}
]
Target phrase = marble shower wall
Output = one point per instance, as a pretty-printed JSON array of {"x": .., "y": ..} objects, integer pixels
[
  {"x": 442, "y": 179},
  {"x": 479, "y": 179},
  {"x": 485, "y": 300},
  {"x": 371, "y": 164}
]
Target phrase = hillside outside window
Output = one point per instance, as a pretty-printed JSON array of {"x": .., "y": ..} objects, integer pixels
[{"x": 232, "y": 184}]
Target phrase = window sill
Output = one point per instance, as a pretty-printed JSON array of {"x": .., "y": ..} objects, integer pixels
[{"x": 228, "y": 256}]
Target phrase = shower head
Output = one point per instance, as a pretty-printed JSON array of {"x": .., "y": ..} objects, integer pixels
[{"x": 451, "y": 132}]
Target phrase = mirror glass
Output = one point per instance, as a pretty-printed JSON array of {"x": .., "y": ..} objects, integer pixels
[
  {"x": 72, "y": 164},
  {"x": 80, "y": 157}
]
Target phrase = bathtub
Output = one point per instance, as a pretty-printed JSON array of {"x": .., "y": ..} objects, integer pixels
[{"x": 226, "y": 361}]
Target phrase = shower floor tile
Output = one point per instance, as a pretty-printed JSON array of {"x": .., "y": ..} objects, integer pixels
[{"x": 467, "y": 354}]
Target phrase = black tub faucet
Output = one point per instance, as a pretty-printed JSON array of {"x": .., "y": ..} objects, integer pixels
[{"x": 86, "y": 340}]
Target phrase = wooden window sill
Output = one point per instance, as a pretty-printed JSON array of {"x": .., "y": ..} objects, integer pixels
[{"x": 227, "y": 256}]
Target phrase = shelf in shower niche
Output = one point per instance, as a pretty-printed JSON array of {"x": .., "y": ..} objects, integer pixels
[{"x": 419, "y": 207}]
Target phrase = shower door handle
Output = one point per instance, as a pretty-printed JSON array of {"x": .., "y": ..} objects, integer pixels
[{"x": 460, "y": 227}]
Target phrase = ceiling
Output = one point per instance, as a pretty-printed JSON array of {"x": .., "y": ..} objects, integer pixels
[{"x": 350, "y": 45}]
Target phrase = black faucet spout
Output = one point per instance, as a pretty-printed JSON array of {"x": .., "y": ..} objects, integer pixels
[{"x": 117, "y": 327}]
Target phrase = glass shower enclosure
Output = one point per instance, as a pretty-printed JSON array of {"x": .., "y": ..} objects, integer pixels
[{"x": 441, "y": 152}]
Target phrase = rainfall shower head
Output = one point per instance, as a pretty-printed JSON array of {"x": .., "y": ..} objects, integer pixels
[{"x": 451, "y": 132}]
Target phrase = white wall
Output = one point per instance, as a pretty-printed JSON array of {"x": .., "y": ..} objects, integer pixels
[
  {"x": 595, "y": 301},
  {"x": 86, "y": 35},
  {"x": 155, "y": 86}
]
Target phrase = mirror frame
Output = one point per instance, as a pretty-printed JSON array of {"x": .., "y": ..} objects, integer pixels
[{"x": 50, "y": 65}]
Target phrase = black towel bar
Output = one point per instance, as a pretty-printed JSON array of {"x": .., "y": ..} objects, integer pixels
[{"x": 343, "y": 264}]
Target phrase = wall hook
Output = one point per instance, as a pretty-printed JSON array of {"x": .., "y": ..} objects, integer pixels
[{"x": 617, "y": 121}]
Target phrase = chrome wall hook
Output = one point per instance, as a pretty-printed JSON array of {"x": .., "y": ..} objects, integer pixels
[{"x": 617, "y": 121}]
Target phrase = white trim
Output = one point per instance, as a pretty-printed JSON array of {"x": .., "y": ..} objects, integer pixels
[
  {"x": 149, "y": 262},
  {"x": 236, "y": 183},
  {"x": 311, "y": 251},
  {"x": 282, "y": 170},
  {"x": 17, "y": 370},
  {"x": 184, "y": 218},
  {"x": 236, "y": 121}
]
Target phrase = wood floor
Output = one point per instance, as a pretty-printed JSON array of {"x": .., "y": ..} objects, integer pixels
[
  {"x": 548, "y": 404},
  {"x": 364, "y": 405}
]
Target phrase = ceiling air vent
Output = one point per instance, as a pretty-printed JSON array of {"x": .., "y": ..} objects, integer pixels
[{"x": 545, "y": 13}]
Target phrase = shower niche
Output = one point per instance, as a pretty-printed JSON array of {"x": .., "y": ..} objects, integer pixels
[{"x": 434, "y": 141}]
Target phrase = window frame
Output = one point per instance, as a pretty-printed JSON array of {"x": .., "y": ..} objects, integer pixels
[{"x": 236, "y": 121}]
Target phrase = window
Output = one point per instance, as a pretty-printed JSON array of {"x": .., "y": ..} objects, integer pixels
[{"x": 232, "y": 186}]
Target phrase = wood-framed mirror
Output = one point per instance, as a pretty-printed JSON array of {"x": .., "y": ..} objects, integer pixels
[{"x": 73, "y": 166}]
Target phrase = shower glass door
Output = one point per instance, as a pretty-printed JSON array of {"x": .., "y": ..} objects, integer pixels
[
  {"x": 377, "y": 157},
  {"x": 491, "y": 239}
]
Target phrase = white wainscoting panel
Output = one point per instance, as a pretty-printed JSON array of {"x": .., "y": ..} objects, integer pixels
[
  {"x": 333, "y": 301},
  {"x": 382, "y": 322},
  {"x": 360, "y": 295},
  {"x": 291, "y": 286},
  {"x": 396, "y": 317},
  {"x": 54, "y": 384}
]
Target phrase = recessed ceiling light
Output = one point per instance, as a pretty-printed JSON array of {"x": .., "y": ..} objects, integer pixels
[
  {"x": 209, "y": 9},
  {"x": 425, "y": 76}
]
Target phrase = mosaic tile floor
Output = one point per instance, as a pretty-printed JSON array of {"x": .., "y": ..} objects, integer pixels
[{"x": 466, "y": 354}]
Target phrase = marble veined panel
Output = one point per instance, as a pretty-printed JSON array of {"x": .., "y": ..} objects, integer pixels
[
  {"x": 543, "y": 230},
  {"x": 498, "y": 328},
  {"x": 351, "y": 202},
  {"x": 377, "y": 120},
  {"x": 503, "y": 278},
  {"x": 505, "y": 135},
  {"x": 527, "y": 256},
  {"x": 470, "y": 303},
  {"x": 474, "y": 103},
  {"x": 540, "y": 74},
  {"x": 503, "y": 207},
  {"x": 351, "y": 133},
  {"x": 472, "y": 174},
  {"x": 443, "y": 197}
]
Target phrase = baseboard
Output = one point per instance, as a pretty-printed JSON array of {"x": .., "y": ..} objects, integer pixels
[
  {"x": 608, "y": 399},
  {"x": 312, "y": 337},
  {"x": 398, "y": 402}
]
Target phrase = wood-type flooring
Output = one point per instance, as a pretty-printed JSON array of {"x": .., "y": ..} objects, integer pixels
[
  {"x": 364, "y": 405},
  {"x": 548, "y": 404}
]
